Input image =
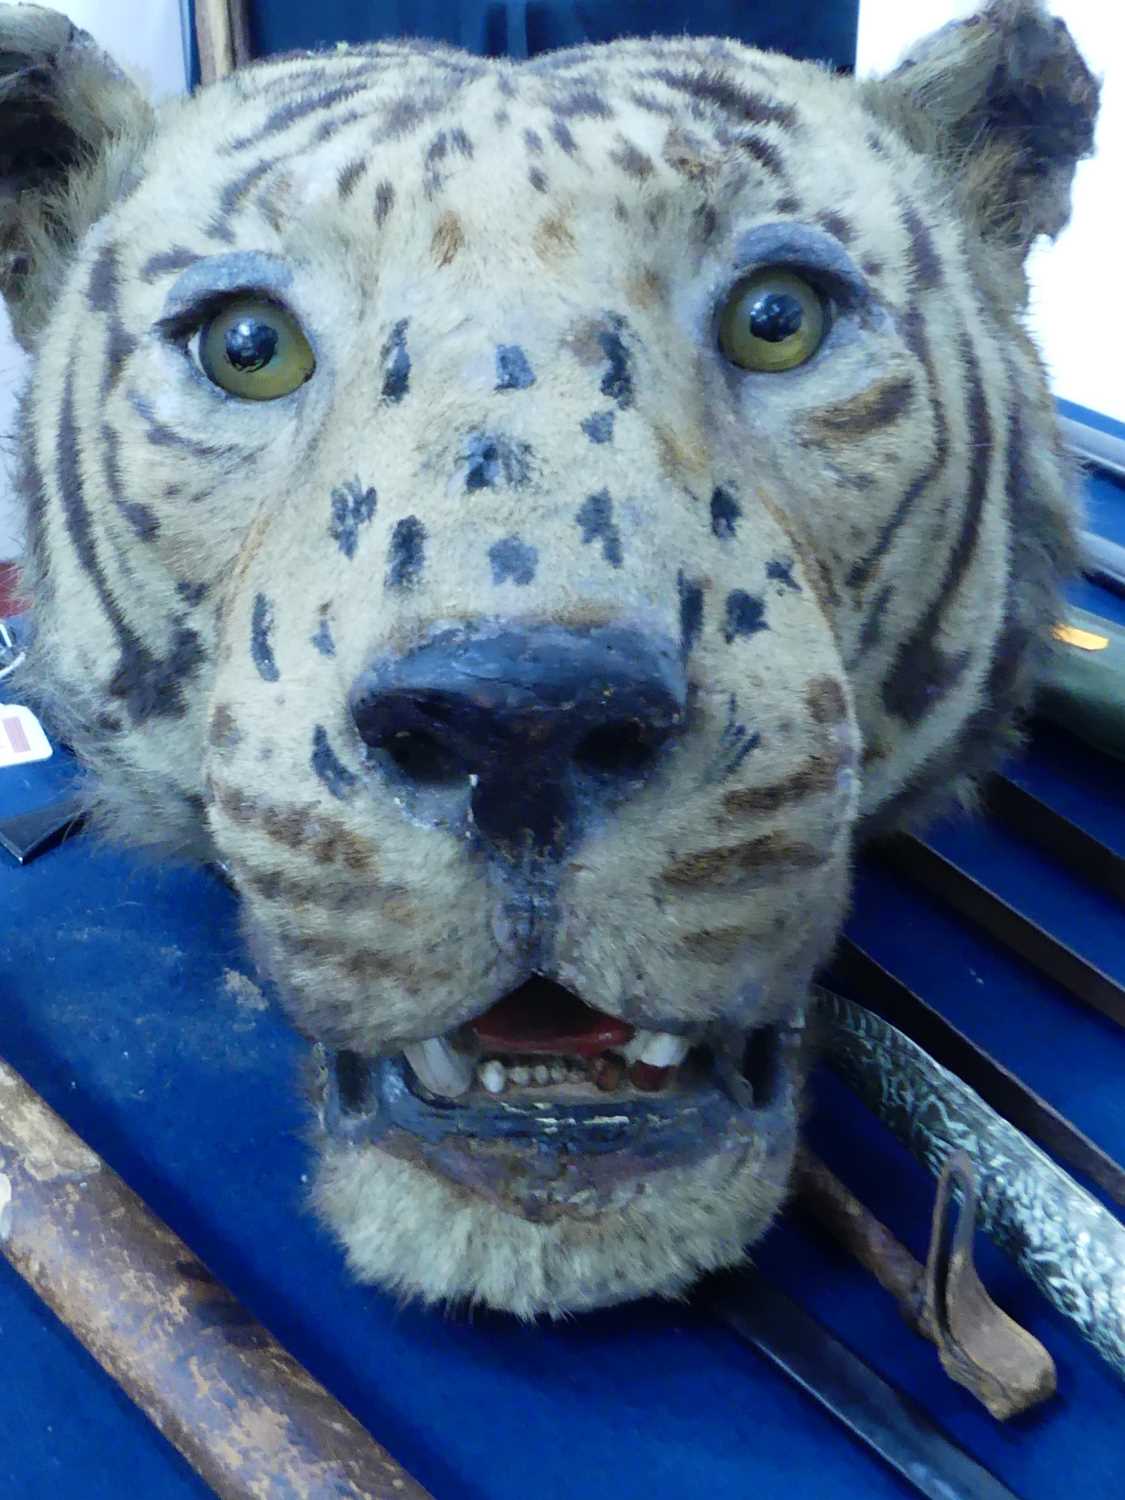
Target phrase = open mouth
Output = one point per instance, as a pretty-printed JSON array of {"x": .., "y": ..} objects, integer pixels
[{"x": 546, "y": 1105}]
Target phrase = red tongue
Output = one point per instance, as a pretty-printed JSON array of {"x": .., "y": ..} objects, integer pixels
[{"x": 543, "y": 1017}]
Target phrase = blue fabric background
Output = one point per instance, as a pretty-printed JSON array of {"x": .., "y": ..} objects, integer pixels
[
  {"x": 113, "y": 1003},
  {"x": 823, "y": 29}
]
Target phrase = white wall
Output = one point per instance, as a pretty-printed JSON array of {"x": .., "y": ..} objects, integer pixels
[
  {"x": 144, "y": 36},
  {"x": 1077, "y": 310}
]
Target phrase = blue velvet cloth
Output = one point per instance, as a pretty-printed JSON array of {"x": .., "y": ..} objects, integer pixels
[
  {"x": 820, "y": 29},
  {"x": 116, "y": 1002}
]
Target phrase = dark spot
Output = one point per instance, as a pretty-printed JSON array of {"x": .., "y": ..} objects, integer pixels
[
  {"x": 101, "y": 294},
  {"x": 192, "y": 593},
  {"x": 352, "y": 507},
  {"x": 562, "y": 136},
  {"x": 765, "y": 153},
  {"x": 396, "y": 363},
  {"x": 780, "y": 570},
  {"x": 490, "y": 457},
  {"x": 513, "y": 372},
  {"x": 224, "y": 733},
  {"x": 598, "y": 427},
  {"x": 261, "y": 648},
  {"x": 595, "y": 517},
  {"x": 329, "y": 768},
  {"x": 617, "y": 382},
  {"x": 384, "y": 201},
  {"x": 826, "y": 701},
  {"x": 349, "y": 175},
  {"x": 407, "y": 554},
  {"x": 513, "y": 561},
  {"x": 725, "y": 512},
  {"x": 872, "y": 269},
  {"x": 538, "y": 179},
  {"x": 836, "y": 224},
  {"x": 448, "y": 238},
  {"x": 787, "y": 205},
  {"x": 745, "y": 615},
  {"x": 691, "y": 611},
  {"x": 632, "y": 160},
  {"x": 322, "y": 638},
  {"x": 460, "y": 142},
  {"x": 582, "y": 104},
  {"x": 533, "y": 141}
]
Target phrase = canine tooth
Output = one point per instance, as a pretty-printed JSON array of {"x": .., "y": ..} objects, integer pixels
[
  {"x": 663, "y": 1050},
  {"x": 520, "y": 1075},
  {"x": 660, "y": 1049},
  {"x": 493, "y": 1076},
  {"x": 442, "y": 1070}
]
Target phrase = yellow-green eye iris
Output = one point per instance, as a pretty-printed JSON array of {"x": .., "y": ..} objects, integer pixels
[
  {"x": 256, "y": 350},
  {"x": 774, "y": 320}
]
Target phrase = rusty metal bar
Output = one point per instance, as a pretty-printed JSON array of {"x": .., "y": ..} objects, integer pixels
[
  {"x": 981, "y": 1348},
  {"x": 238, "y": 1406}
]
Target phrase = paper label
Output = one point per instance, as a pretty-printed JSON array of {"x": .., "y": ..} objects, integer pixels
[{"x": 21, "y": 736}]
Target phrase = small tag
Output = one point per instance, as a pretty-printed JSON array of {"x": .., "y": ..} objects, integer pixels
[
  {"x": 21, "y": 736},
  {"x": 1085, "y": 640}
]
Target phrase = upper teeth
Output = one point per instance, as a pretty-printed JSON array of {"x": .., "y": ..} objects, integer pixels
[
  {"x": 660, "y": 1049},
  {"x": 439, "y": 1068}
]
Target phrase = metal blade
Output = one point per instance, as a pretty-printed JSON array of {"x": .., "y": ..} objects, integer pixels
[{"x": 872, "y": 1410}]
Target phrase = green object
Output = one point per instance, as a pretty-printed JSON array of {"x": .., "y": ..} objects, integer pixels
[{"x": 1083, "y": 686}]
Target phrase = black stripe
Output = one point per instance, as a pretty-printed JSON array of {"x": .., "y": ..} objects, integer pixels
[
  {"x": 720, "y": 89},
  {"x": 923, "y": 672},
  {"x": 233, "y": 194},
  {"x": 328, "y": 766},
  {"x": 150, "y": 687},
  {"x": 177, "y": 258},
  {"x": 914, "y": 334},
  {"x": 924, "y": 255},
  {"x": 163, "y": 436},
  {"x": 293, "y": 111}
]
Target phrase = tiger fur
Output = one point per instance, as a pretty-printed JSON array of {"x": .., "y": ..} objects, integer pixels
[{"x": 520, "y": 417}]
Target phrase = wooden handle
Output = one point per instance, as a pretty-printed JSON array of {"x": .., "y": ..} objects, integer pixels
[{"x": 238, "y": 1406}]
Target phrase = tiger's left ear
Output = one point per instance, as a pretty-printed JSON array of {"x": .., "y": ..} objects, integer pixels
[
  {"x": 1005, "y": 102},
  {"x": 71, "y": 127}
]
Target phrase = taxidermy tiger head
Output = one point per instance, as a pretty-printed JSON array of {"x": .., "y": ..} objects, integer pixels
[{"x": 527, "y": 522}]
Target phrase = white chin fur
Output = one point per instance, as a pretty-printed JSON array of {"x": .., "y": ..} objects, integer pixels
[{"x": 419, "y": 1236}]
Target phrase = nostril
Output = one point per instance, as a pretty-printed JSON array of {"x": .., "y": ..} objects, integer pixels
[
  {"x": 622, "y": 749},
  {"x": 413, "y": 734},
  {"x": 422, "y": 758}
]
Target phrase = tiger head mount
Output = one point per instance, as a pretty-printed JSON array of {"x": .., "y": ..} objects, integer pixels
[{"x": 529, "y": 523}]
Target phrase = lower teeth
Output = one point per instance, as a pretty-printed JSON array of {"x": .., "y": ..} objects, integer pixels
[{"x": 608, "y": 1072}]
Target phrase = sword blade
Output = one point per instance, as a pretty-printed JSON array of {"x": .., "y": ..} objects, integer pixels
[{"x": 882, "y": 1418}]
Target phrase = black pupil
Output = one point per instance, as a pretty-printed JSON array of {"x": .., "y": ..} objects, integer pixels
[
  {"x": 776, "y": 316},
  {"x": 250, "y": 344}
]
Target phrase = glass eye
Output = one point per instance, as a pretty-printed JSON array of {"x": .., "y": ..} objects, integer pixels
[
  {"x": 773, "y": 320},
  {"x": 255, "y": 349}
]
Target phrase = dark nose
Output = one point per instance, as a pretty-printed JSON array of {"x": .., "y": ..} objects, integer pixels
[{"x": 539, "y": 728}]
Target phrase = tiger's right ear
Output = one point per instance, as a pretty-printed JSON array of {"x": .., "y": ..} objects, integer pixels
[{"x": 71, "y": 127}]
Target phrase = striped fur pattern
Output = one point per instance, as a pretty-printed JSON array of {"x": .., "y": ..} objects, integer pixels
[{"x": 509, "y": 275}]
